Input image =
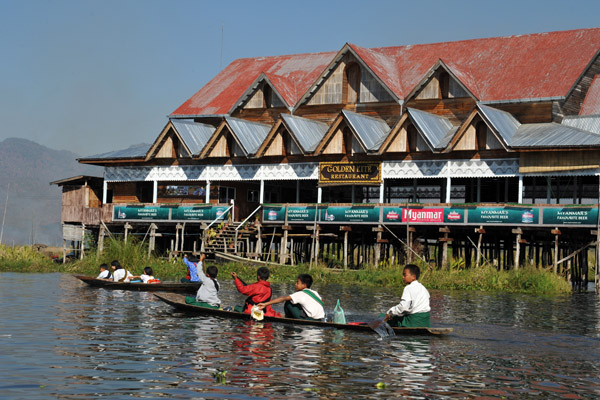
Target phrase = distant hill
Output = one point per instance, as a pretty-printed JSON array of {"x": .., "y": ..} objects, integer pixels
[{"x": 34, "y": 206}]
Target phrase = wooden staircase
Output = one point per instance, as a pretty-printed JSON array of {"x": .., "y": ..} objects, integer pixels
[{"x": 224, "y": 239}]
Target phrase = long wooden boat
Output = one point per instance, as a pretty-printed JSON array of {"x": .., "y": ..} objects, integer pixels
[
  {"x": 141, "y": 287},
  {"x": 178, "y": 302}
]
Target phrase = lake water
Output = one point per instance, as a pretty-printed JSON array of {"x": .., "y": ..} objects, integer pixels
[{"x": 62, "y": 339}]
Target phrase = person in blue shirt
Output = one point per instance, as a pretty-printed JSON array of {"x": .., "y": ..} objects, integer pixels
[{"x": 192, "y": 269}]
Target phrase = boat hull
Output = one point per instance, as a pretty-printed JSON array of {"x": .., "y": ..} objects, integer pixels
[
  {"x": 141, "y": 287},
  {"x": 178, "y": 302}
]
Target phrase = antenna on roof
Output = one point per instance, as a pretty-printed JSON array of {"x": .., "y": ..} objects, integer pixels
[{"x": 221, "y": 61}]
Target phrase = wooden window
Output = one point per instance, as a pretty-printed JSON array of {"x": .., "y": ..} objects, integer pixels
[
  {"x": 351, "y": 92},
  {"x": 444, "y": 80},
  {"x": 412, "y": 137},
  {"x": 481, "y": 135}
]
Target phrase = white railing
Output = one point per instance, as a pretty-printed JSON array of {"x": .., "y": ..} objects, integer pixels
[
  {"x": 242, "y": 224},
  {"x": 219, "y": 218}
]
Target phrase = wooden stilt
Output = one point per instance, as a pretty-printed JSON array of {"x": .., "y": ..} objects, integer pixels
[
  {"x": 556, "y": 232},
  {"x": 101, "y": 235},
  {"x": 346, "y": 230},
  {"x": 517, "y": 258},
  {"x": 444, "y": 259},
  {"x": 481, "y": 231}
]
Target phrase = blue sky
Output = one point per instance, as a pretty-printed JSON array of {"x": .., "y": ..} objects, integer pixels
[{"x": 96, "y": 76}]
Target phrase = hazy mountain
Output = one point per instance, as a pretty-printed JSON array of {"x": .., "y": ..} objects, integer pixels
[{"x": 34, "y": 206}]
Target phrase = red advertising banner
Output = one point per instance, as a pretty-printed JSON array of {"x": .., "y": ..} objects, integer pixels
[{"x": 423, "y": 215}]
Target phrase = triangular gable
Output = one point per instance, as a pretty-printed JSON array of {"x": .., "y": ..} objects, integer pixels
[
  {"x": 352, "y": 133},
  {"x": 334, "y": 72},
  {"x": 339, "y": 139},
  {"x": 396, "y": 140},
  {"x": 304, "y": 135},
  {"x": 430, "y": 86},
  {"x": 501, "y": 126},
  {"x": 370, "y": 131},
  {"x": 236, "y": 138},
  {"x": 180, "y": 138},
  {"x": 405, "y": 137},
  {"x": 253, "y": 97},
  {"x": 591, "y": 103},
  {"x": 435, "y": 129}
]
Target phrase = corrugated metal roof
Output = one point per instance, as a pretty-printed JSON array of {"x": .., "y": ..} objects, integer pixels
[
  {"x": 552, "y": 135},
  {"x": 135, "y": 151},
  {"x": 590, "y": 123},
  {"x": 194, "y": 134},
  {"x": 371, "y": 131},
  {"x": 249, "y": 134},
  {"x": 436, "y": 129},
  {"x": 503, "y": 122},
  {"x": 307, "y": 132}
]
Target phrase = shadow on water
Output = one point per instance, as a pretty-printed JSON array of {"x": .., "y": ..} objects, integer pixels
[{"x": 59, "y": 338}]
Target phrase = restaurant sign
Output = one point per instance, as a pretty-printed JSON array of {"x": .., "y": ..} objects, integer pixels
[{"x": 349, "y": 173}]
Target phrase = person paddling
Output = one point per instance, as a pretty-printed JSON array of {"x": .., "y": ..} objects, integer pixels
[
  {"x": 257, "y": 292},
  {"x": 304, "y": 304},
  {"x": 192, "y": 270},
  {"x": 208, "y": 294},
  {"x": 413, "y": 309}
]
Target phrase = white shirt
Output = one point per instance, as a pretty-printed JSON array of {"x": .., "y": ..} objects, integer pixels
[
  {"x": 120, "y": 273},
  {"x": 145, "y": 278},
  {"x": 208, "y": 292},
  {"x": 104, "y": 274},
  {"x": 415, "y": 299},
  {"x": 311, "y": 307}
]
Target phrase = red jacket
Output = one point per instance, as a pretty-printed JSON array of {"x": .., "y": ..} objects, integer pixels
[{"x": 258, "y": 292}]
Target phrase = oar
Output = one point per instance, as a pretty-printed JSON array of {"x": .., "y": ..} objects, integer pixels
[{"x": 382, "y": 328}]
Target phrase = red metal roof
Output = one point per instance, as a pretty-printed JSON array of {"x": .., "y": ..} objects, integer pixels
[
  {"x": 493, "y": 69},
  {"x": 291, "y": 75},
  {"x": 591, "y": 104}
]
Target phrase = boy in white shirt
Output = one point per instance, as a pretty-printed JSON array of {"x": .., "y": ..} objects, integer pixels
[
  {"x": 304, "y": 304},
  {"x": 413, "y": 309},
  {"x": 104, "y": 272}
]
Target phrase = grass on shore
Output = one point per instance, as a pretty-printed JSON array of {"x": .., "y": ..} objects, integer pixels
[{"x": 134, "y": 257}]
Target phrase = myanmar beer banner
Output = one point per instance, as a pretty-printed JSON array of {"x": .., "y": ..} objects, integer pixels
[
  {"x": 504, "y": 215},
  {"x": 570, "y": 216},
  {"x": 272, "y": 213},
  {"x": 423, "y": 215},
  {"x": 169, "y": 213},
  {"x": 349, "y": 214}
]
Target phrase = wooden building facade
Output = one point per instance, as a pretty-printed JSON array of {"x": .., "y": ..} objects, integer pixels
[{"x": 498, "y": 122}]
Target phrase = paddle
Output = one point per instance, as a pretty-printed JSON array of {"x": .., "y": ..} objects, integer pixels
[{"x": 382, "y": 328}]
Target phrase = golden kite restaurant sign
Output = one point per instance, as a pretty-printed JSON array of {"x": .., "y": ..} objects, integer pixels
[{"x": 349, "y": 173}]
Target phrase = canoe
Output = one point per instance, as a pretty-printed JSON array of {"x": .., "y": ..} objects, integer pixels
[
  {"x": 141, "y": 287},
  {"x": 178, "y": 302}
]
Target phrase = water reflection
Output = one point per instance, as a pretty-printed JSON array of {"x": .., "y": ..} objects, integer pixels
[{"x": 68, "y": 341}]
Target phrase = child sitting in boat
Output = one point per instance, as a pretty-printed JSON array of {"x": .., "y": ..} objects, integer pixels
[
  {"x": 257, "y": 292},
  {"x": 104, "y": 272},
  {"x": 192, "y": 270},
  {"x": 120, "y": 274},
  {"x": 304, "y": 304},
  {"x": 208, "y": 294},
  {"x": 413, "y": 309},
  {"x": 146, "y": 277}
]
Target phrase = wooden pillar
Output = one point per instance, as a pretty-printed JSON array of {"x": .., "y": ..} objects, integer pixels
[
  {"x": 101, "y": 235},
  {"x": 152, "y": 241},
  {"x": 517, "y": 258},
  {"x": 284, "y": 238},
  {"x": 481, "y": 231},
  {"x": 127, "y": 228},
  {"x": 556, "y": 233},
  {"x": 182, "y": 236},
  {"x": 444, "y": 259},
  {"x": 64, "y": 251},
  {"x": 377, "y": 256},
  {"x": 258, "y": 240},
  {"x": 178, "y": 227},
  {"x": 346, "y": 229}
]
